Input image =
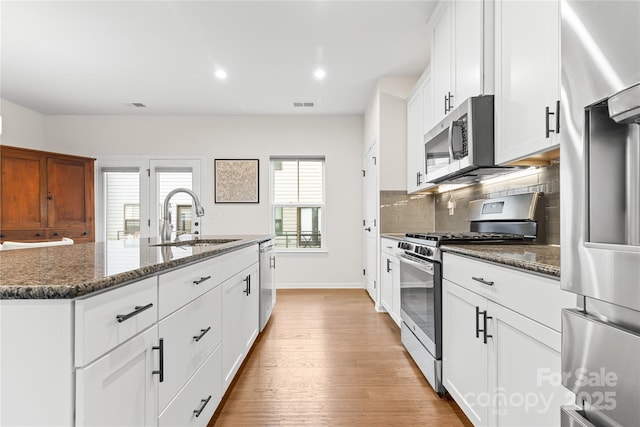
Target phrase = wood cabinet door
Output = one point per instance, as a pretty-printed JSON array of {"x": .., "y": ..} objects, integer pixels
[
  {"x": 464, "y": 353},
  {"x": 70, "y": 194},
  {"x": 22, "y": 190}
]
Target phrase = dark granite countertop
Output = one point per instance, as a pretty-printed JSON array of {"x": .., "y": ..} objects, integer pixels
[
  {"x": 541, "y": 259},
  {"x": 395, "y": 236},
  {"x": 63, "y": 272}
]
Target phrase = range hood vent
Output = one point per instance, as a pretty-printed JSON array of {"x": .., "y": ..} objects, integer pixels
[{"x": 477, "y": 174}]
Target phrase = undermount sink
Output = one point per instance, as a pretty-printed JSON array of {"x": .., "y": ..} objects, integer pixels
[{"x": 198, "y": 242}]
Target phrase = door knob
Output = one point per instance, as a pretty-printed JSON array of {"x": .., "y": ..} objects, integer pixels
[{"x": 368, "y": 229}]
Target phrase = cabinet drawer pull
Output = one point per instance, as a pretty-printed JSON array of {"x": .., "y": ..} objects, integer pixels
[
  {"x": 137, "y": 310},
  {"x": 481, "y": 280},
  {"x": 202, "y": 279},
  {"x": 484, "y": 324},
  {"x": 56, "y": 234},
  {"x": 202, "y": 333},
  {"x": 201, "y": 408},
  {"x": 247, "y": 289},
  {"x": 485, "y": 327},
  {"x": 160, "y": 371}
]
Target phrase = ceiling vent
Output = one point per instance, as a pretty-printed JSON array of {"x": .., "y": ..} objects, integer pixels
[
  {"x": 138, "y": 104},
  {"x": 304, "y": 104}
]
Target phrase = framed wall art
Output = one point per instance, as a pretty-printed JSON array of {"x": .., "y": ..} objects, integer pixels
[{"x": 237, "y": 181}]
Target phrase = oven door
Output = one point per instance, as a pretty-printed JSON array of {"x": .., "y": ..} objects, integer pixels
[{"x": 421, "y": 300}]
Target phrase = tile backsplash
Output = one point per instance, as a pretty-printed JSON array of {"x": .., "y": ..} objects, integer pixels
[
  {"x": 405, "y": 213},
  {"x": 401, "y": 213},
  {"x": 545, "y": 180}
]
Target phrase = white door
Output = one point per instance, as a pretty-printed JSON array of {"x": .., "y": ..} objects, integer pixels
[
  {"x": 415, "y": 141},
  {"x": 370, "y": 222},
  {"x": 250, "y": 308},
  {"x": 464, "y": 353},
  {"x": 119, "y": 389},
  {"x": 232, "y": 337},
  {"x": 442, "y": 64},
  {"x": 527, "y": 77},
  {"x": 165, "y": 176},
  {"x": 122, "y": 194},
  {"x": 533, "y": 396}
]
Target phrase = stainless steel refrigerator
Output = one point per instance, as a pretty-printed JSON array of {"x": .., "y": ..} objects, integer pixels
[{"x": 600, "y": 210}]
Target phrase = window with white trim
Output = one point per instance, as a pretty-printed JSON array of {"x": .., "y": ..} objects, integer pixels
[{"x": 297, "y": 201}]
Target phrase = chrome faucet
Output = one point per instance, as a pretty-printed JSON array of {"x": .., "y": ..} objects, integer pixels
[{"x": 166, "y": 222}]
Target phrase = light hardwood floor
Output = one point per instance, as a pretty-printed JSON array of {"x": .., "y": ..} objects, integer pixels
[{"x": 327, "y": 358}]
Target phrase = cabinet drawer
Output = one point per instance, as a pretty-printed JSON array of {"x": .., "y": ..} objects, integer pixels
[
  {"x": 189, "y": 335},
  {"x": 198, "y": 400},
  {"x": 34, "y": 235},
  {"x": 536, "y": 297},
  {"x": 239, "y": 260},
  {"x": 179, "y": 287},
  {"x": 109, "y": 319},
  {"x": 59, "y": 233},
  {"x": 388, "y": 246}
]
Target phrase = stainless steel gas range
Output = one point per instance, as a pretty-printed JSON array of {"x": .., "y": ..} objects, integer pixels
[{"x": 512, "y": 219}]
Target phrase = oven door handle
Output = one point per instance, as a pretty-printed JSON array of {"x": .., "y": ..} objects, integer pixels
[{"x": 426, "y": 266}]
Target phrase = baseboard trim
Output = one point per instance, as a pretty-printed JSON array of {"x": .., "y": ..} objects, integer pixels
[{"x": 319, "y": 286}]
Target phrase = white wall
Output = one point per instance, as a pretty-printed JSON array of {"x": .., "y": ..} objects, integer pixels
[
  {"x": 21, "y": 127},
  {"x": 338, "y": 138},
  {"x": 386, "y": 122}
]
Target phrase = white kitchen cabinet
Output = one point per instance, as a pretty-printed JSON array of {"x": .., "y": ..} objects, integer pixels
[
  {"x": 419, "y": 121},
  {"x": 197, "y": 401},
  {"x": 501, "y": 367},
  {"x": 458, "y": 54},
  {"x": 189, "y": 337},
  {"x": 390, "y": 279},
  {"x": 527, "y": 80},
  {"x": 240, "y": 320},
  {"x": 442, "y": 61},
  {"x": 464, "y": 377},
  {"x": 120, "y": 388}
]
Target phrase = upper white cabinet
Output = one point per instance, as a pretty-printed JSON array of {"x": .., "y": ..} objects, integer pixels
[
  {"x": 458, "y": 54},
  {"x": 419, "y": 121},
  {"x": 527, "y": 84}
]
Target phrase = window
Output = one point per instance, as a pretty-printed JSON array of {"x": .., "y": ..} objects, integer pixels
[
  {"x": 130, "y": 195},
  {"x": 298, "y": 202}
]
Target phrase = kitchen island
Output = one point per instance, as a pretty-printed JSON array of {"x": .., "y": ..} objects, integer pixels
[{"x": 125, "y": 332}]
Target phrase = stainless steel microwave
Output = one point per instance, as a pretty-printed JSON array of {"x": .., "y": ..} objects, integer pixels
[{"x": 459, "y": 149}]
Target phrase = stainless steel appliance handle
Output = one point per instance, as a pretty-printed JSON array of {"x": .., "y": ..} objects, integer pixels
[
  {"x": 426, "y": 266},
  {"x": 450, "y": 139},
  {"x": 570, "y": 417}
]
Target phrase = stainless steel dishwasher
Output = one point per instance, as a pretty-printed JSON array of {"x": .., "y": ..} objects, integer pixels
[{"x": 267, "y": 281}]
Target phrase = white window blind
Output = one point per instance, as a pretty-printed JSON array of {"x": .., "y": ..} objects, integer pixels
[{"x": 298, "y": 202}]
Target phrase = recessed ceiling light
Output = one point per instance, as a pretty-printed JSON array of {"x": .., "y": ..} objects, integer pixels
[
  {"x": 221, "y": 74},
  {"x": 320, "y": 74}
]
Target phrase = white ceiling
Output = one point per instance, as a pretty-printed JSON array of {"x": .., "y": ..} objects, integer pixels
[{"x": 98, "y": 57}]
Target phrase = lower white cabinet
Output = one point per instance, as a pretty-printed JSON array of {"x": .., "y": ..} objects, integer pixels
[
  {"x": 197, "y": 401},
  {"x": 464, "y": 354},
  {"x": 120, "y": 388},
  {"x": 141, "y": 354},
  {"x": 390, "y": 279},
  {"x": 189, "y": 336},
  {"x": 240, "y": 320},
  {"x": 500, "y": 366}
]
